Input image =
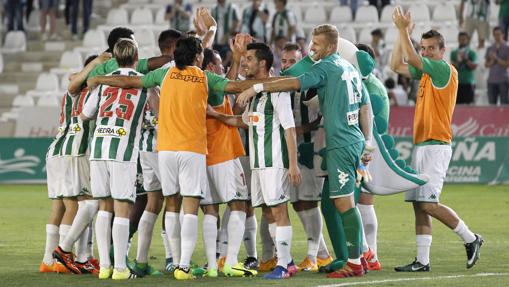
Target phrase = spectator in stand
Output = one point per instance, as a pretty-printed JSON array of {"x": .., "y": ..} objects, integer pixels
[
  {"x": 278, "y": 49},
  {"x": 228, "y": 24},
  {"x": 497, "y": 59},
  {"x": 503, "y": 16},
  {"x": 254, "y": 21},
  {"x": 301, "y": 41},
  {"x": 284, "y": 22},
  {"x": 354, "y": 4},
  {"x": 379, "y": 4},
  {"x": 476, "y": 19},
  {"x": 29, "y": 9},
  {"x": 378, "y": 44},
  {"x": 49, "y": 9},
  {"x": 179, "y": 15},
  {"x": 464, "y": 60},
  {"x": 396, "y": 93},
  {"x": 87, "y": 11},
  {"x": 14, "y": 9}
]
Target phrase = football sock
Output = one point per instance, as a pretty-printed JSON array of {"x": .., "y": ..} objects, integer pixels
[
  {"x": 236, "y": 227},
  {"x": 353, "y": 225},
  {"x": 334, "y": 224},
  {"x": 189, "y": 235},
  {"x": 250, "y": 235},
  {"x": 209, "y": 234},
  {"x": 465, "y": 233},
  {"x": 172, "y": 225},
  {"x": 283, "y": 245},
  {"x": 120, "y": 235},
  {"x": 370, "y": 224},
  {"x": 103, "y": 237},
  {"x": 267, "y": 242},
  {"x": 145, "y": 229},
  {"x": 63, "y": 229},
  {"x": 51, "y": 243},
  {"x": 423, "y": 242},
  {"x": 222, "y": 236},
  {"x": 166, "y": 243}
]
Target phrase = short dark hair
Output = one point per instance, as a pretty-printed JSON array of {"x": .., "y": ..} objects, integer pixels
[
  {"x": 87, "y": 61},
  {"x": 366, "y": 48},
  {"x": 390, "y": 84},
  {"x": 496, "y": 28},
  {"x": 284, "y": 1},
  {"x": 435, "y": 34},
  {"x": 291, "y": 47},
  {"x": 208, "y": 57},
  {"x": 463, "y": 33},
  {"x": 263, "y": 52},
  {"x": 116, "y": 34},
  {"x": 168, "y": 37},
  {"x": 186, "y": 51},
  {"x": 377, "y": 32}
]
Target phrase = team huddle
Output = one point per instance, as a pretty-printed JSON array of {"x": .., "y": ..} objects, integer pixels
[{"x": 139, "y": 134}]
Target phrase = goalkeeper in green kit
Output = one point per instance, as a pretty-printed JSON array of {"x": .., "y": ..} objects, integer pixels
[{"x": 347, "y": 123}]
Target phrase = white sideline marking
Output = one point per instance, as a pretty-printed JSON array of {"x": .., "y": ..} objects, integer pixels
[{"x": 412, "y": 279}]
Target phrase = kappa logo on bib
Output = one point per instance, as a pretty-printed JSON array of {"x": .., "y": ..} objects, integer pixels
[
  {"x": 255, "y": 118},
  {"x": 110, "y": 131}
]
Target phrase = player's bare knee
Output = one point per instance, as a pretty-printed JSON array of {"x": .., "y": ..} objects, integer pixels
[
  {"x": 237, "y": 205},
  {"x": 429, "y": 208}
]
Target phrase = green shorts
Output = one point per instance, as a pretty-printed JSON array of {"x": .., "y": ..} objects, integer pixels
[{"x": 342, "y": 166}]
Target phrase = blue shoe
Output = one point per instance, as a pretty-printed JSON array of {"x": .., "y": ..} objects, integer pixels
[
  {"x": 169, "y": 265},
  {"x": 278, "y": 273}
]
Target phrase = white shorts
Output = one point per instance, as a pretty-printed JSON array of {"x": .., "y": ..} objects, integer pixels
[
  {"x": 55, "y": 177},
  {"x": 113, "y": 179},
  {"x": 77, "y": 176},
  {"x": 269, "y": 186},
  {"x": 150, "y": 169},
  {"x": 244, "y": 161},
  {"x": 183, "y": 172},
  {"x": 226, "y": 183},
  {"x": 432, "y": 160},
  {"x": 310, "y": 188}
]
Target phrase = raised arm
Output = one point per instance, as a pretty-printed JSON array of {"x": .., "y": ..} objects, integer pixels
[
  {"x": 279, "y": 85},
  {"x": 397, "y": 63},
  {"x": 403, "y": 22},
  {"x": 78, "y": 79},
  {"x": 238, "y": 48},
  {"x": 124, "y": 82},
  {"x": 205, "y": 26}
]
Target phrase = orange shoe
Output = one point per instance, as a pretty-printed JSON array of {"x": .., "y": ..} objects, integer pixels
[
  {"x": 349, "y": 270},
  {"x": 67, "y": 259},
  {"x": 307, "y": 265},
  {"x": 220, "y": 263},
  {"x": 44, "y": 268},
  {"x": 94, "y": 262},
  {"x": 323, "y": 261},
  {"x": 369, "y": 255},
  {"x": 59, "y": 268},
  {"x": 268, "y": 265},
  {"x": 374, "y": 265},
  {"x": 87, "y": 268}
]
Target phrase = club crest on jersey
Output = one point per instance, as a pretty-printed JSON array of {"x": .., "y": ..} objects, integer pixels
[
  {"x": 254, "y": 118},
  {"x": 110, "y": 131}
]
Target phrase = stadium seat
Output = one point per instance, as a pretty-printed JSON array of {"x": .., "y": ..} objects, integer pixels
[
  {"x": 117, "y": 17},
  {"x": 70, "y": 61},
  {"x": 450, "y": 34},
  {"x": 348, "y": 33},
  {"x": 15, "y": 41},
  {"x": 33, "y": 24},
  {"x": 160, "y": 17},
  {"x": 494, "y": 10},
  {"x": 420, "y": 13},
  {"x": 48, "y": 101},
  {"x": 340, "y": 15},
  {"x": 297, "y": 10},
  {"x": 315, "y": 15},
  {"x": 147, "y": 52},
  {"x": 444, "y": 13},
  {"x": 17, "y": 104},
  {"x": 142, "y": 16},
  {"x": 93, "y": 41},
  {"x": 64, "y": 83},
  {"x": 366, "y": 16},
  {"x": 46, "y": 83},
  {"x": 391, "y": 36},
  {"x": 386, "y": 16},
  {"x": 138, "y": 2},
  {"x": 365, "y": 36},
  {"x": 145, "y": 38},
  {"x": 1, "y": 64}
]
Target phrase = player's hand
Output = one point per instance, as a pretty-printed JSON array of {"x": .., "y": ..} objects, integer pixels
[
  {"x": 199, "y": 26},
  {"x": 208, "y": 20},
  {"x": 400, "y": 19},
  {"x": 244, "y": 97},
  {"x": 362, "y": 175},
  {"x": 92, "y": 84},
  {"x": 238, "y": 46},
  {"x": 367, "y": 154},
  {"x": 211, "y": 113},
  {"x": 103, "y": 57},
  {"x": 294, "y": 174}
]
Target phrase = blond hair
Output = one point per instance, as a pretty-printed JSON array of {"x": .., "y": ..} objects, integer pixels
[
  {"x": 125, "y": 52},
  {"x": 330, "y": 31}
]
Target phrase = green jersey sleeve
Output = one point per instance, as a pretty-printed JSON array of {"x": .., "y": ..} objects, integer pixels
[
  {"x": 216, "y": 83},
  {"x": 111, "y": 65},
  {"x": 316, "y": 77},
  {"x": 415, "y": 73},
  {"x": 438, "y": 70},
  {"x": 364, "y": 96},
  {"x": 142, "y": 66},
  {"x": 154, "y": 78}
]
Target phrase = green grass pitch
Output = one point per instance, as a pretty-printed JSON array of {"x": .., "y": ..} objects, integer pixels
[{"x": 24, "y": 210}]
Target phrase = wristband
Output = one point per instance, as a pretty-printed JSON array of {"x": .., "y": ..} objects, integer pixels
[
  {"x": 213, "y": 28},
  {"x": 258, "y": 88}
]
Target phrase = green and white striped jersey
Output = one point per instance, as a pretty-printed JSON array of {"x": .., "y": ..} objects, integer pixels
[
  {"x": 55, "y": 147},
  {"x": 118, "y": 123},
  {"x": 268, "y": 115},
  {"x": 78, "y": 136},
  {"x": 148, "y": 141}
]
